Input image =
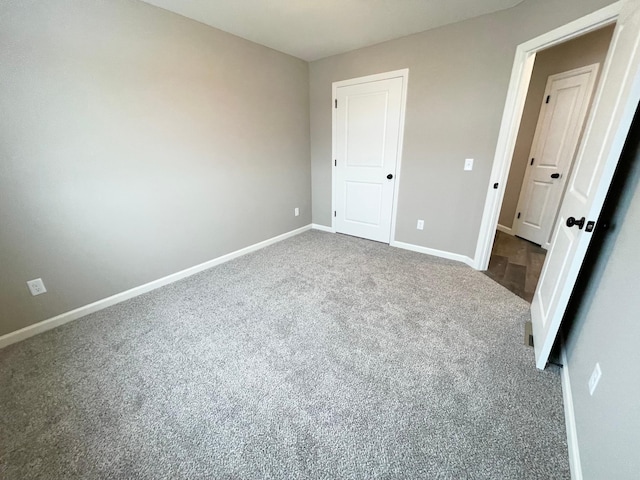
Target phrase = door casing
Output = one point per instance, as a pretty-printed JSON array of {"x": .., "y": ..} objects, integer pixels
[{"x": 404, "y": 74}]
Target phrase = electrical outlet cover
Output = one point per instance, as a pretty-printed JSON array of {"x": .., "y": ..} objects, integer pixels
[{"x": 36, "y": 287}]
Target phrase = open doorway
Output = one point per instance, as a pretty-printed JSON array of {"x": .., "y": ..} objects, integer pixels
[{"x": 557, "y": 103}]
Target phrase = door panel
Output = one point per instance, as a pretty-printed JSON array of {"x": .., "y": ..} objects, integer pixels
[
  {"x": 565, "y": 104},
  {"x": 367, "y": 132},
  {"x": 365, "y": 129},
  {"x": 363, "y": 201},
  {"x": 557, "y": 262},
  {"x": 565, "y": 95},
  {"x": 537, "y": 202},
  {"x": 604, "y": 138}
]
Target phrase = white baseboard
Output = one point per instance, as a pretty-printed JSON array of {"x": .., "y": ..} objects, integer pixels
[
  {"x": 66, "y": 317},
  {"x": 415, "y": 248},
  {"x": 436, "y": 253},
  {"x": 570, "y": 420},
  {"x": 504, "y": 229},
  {"x": 322, "y": 228}
]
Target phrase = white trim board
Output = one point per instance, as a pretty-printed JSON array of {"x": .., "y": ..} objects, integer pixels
[
  {"x": 433, "y": 252},
  {"x": 503, "y": 229},
  {"x": 570, "y": 420},
  {"x": 322, "y": 228},
  {"x": 404, "y": 73},
  {"x": 514, "y": 105},
  {"x": 53, "y": 322},
  {"x": 414, "y": 248}
]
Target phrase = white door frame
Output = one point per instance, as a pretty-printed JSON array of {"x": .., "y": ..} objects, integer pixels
[
  {"x": 404, "y": 74},
  {"x": 514, "y": 105}
]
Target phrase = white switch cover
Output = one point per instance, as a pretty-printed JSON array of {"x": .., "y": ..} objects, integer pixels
[
  {"x": 468, "y": 164},
  {"x": 420, "y": 225},
  {"x": 36, "y": 287},
  {"x": 296, "y": 211},
  {"x": 595, "y": 378}
]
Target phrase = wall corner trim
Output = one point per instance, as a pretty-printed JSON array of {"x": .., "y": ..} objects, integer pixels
[
  {"x": 570, "y": 420},
  {"x": 435, "y": 253},
  {"x": 53, "y": 322},
  {"x": 322, "y": 228}
]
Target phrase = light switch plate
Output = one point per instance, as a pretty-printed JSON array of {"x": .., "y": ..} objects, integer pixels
[{"x": 468, "y": 164}]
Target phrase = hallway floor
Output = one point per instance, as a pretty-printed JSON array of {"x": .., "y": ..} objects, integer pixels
[{"x": 516, "y": 264}]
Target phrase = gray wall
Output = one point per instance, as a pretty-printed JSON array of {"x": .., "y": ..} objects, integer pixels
[
  {"x": 586, "y": 50},
  {"x": 606, "y": 330},
  {"x": 458, "y": 80},
  {"x": 136, "y": 143}
]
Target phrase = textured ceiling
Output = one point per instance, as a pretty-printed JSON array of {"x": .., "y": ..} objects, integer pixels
[{"x": 313, "y": 29}]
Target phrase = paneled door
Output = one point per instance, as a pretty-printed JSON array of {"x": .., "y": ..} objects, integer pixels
[
  {"x": 564, "y": 107},
  {"x": 367, "y": 129},
  {"x": 605, "y": 134}
]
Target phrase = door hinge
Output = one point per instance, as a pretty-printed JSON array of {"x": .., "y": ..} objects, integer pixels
[
  {"x": 335, "y": 102},
  {"x": 335, "y": 163},
  {"x": 548, "y": 98},
  {"x": 335, "y": 214},
  {"x": 518, "y": 214},
  {"x": 532, "y": 161}
]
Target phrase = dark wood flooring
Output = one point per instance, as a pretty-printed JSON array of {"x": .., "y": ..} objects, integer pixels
[{"x": 516, "y": 264}]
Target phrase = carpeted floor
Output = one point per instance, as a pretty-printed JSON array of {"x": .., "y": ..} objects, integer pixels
[{"x": 321, "y": 357}]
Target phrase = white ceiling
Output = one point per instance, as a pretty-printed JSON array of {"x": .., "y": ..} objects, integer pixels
[{"x": 313, "y": 29}]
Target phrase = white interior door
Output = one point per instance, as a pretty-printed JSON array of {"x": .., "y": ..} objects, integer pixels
[
  {"x": 367, "y": 136},
  {"x": 605, "y": 134},
  {"x": 564, "y": 107}
]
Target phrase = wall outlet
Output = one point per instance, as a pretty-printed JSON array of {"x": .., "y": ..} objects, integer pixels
[
  {"x": 296, "y": 211},
  {"x": 36, "y": 287},
  {"x": 420, "y": 225},
  {"x": 594, "y": 379},
  {"x": 468, "y": 163}
]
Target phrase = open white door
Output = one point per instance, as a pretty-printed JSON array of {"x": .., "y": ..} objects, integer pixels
[
  {"x": 605, "y": 135},
  {"x": 564, "y": 107}
]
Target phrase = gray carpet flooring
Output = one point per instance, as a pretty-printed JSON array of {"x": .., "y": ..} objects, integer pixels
[{"x": 320, "y": 357}]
